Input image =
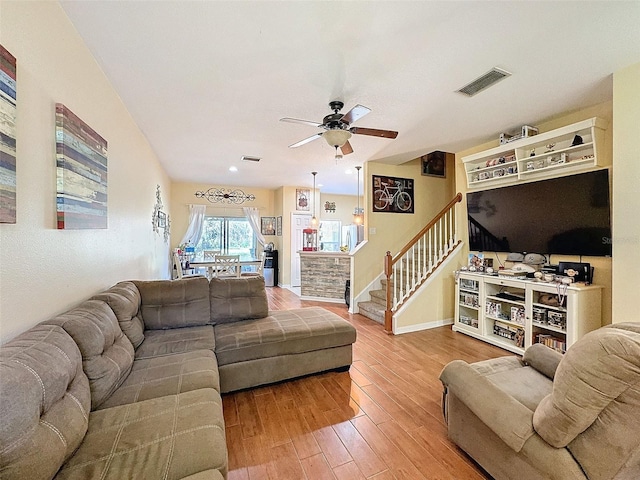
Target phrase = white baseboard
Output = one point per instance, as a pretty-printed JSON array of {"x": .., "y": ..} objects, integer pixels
[
  {"x": 423, "y": 326},
  {"x": 323, "y": 299}
]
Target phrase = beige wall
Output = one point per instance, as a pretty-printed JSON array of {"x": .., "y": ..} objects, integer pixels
[
  {"x": 44, "y": 271},
  {"x": 345, "y": 206},
  {"x": 602, "y": 265},
  {"x": 393, "y": 230},
  {"x": 183, "y": 195},
  {"x": 272, "y": 203},
  {"x": 626, "y": 201}
]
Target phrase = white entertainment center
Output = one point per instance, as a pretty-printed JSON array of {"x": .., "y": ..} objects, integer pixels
[
  {"x": 514, "y": 312},
  {"x": 484, "y": 301}
]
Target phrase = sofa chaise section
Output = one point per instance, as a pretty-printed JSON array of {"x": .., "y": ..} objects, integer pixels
[
  {"x": 285, "y": 344},
  {"x": 257, "y": 347}
]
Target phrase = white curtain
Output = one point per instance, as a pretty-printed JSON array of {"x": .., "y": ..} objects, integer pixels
[
  {"x": 253, "y": 215},
  {"x": 196, "y": 222}
]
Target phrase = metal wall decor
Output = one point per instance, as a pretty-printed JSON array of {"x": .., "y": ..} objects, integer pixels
[
  {"x": 159, "y": 219},
  {"x": 225, "y": 195}
]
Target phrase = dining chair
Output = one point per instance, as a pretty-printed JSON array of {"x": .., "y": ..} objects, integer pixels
[
  {"x": 177, "y": 265},
  {"x": 227, "y": 266},
  {"x": 210, "y": 254},
  {"x": 258, "y": 271}
]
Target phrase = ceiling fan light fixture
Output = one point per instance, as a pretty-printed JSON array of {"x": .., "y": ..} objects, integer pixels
[{"x": 337, "y": 137}]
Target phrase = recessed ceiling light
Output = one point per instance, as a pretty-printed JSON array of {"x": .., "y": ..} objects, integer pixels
[{"x": 233, "y": 169}]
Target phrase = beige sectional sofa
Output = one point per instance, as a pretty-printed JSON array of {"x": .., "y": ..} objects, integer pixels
[
  {"x": 549, "y": 416},
  {"x": 128, "y": 383}
]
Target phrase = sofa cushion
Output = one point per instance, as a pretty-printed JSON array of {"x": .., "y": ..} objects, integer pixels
[
  {"x": 595, "y": 399},
  {"x": 234, "y": 299},
  {"x": 44, "y": 403},
  {"x": 107, "y": 353},
  {"x": 168, "y": 375},
  {"x": 169, "y": 437},
  {"x": 282, "y": 333},
  {"x": 174, "y": 304},
  {"x": 124, "y": 300},
  {"x": 178, "y": 340}
]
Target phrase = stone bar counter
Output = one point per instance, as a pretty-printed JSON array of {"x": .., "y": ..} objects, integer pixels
[{"x": 323, "y": 275}]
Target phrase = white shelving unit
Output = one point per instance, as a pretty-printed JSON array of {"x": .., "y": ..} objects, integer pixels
[
  {"x": 554, "y": 156},
  {"x": 487, "y": 301}
]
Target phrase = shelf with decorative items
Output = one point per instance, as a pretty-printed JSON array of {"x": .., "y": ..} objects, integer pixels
[
  {"x": 468, "y": 305},
  {"x": 563, "y": 151},
  {"x": 516, "y": 313}
]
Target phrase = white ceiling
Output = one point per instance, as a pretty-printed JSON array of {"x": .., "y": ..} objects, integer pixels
[{"x": 208, "y": 81}]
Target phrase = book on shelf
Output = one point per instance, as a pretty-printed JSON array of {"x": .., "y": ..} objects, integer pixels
[{"x": 552, "y": 342}]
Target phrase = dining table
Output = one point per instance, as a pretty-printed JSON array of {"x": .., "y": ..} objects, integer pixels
[{"x": 211, "y": 265}]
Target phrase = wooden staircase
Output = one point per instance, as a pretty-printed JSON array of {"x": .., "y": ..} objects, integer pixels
[
  {"x": 410, "y": 268},
  {"x": 375, "y": 307}
]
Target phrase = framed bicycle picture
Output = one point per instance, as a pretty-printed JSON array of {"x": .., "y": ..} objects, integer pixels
[{"x": 392, "y": 194}]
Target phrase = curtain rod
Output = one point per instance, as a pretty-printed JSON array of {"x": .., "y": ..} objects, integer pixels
[{"x": 223, "y": 206}]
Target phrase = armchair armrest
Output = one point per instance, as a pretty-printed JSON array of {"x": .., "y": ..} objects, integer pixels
[
  {"x": 544, "y": 359},
  {"x": 505, "y": 416}
]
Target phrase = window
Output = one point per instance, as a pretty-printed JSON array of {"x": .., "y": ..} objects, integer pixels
[
  {"x": 230, "y": 235},
  {"x": 329, "y": 235}
]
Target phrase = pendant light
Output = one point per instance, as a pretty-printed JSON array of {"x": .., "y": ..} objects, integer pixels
[
  {"x": 357, "y": 217},
  {"x": 314, "y": 219}
]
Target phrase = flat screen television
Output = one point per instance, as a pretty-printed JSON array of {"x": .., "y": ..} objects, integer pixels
[{"x": 568, "y": 215}]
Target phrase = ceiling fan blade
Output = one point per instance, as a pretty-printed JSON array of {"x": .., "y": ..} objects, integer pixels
[
  {"x": 306, "y": 140},
  {"x": 303, "y": 122},
  {"x": 355, "y": 113},
  {"x": 374, "y": 132},
  {"x": 346, "y": 148}
]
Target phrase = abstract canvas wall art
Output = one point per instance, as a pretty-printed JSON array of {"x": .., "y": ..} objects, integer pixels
[
  {"x": 7, "y": 137},
  {"x": 81, "y": 161}
]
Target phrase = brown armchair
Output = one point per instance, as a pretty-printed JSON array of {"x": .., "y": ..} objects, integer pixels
[{"x": 551, "y": 416}]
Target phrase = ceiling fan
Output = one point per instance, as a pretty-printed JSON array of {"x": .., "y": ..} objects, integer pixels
[{"x": 337, "y": 127}]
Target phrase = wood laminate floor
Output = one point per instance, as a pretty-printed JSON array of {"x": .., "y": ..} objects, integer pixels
[{"x": 380, "y": 420}]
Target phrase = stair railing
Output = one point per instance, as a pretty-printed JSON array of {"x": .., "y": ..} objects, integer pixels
[{"x": 420, "y": 257}]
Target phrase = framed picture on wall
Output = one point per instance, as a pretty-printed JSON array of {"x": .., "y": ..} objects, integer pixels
[
  {"x": 434, "y": 164},
  {"x": 392, "y": 194},
  {"x": 279, "y": 226},
  {"x": 302, "y": 199},
  {"x": 268, "y": 225}
]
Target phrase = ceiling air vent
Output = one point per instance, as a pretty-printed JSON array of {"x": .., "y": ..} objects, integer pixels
[
  {"x": 484, "y": 81},
  {"x": 249, "y": 158}
]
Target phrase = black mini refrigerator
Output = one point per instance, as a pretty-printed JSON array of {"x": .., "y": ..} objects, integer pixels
[{"x": 270, "y": 269}]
